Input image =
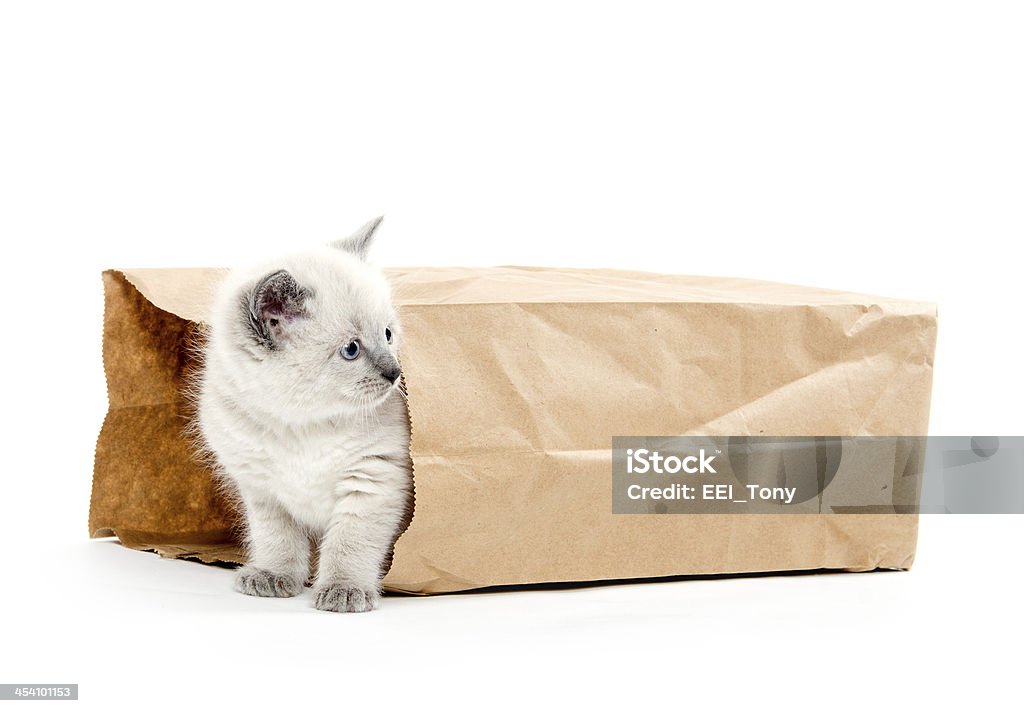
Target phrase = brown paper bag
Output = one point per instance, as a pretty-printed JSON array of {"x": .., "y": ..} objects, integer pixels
[{"x": 518, "y": 378}]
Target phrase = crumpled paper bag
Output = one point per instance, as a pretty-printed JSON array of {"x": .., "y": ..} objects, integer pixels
[{"x": 518, "y": 378}]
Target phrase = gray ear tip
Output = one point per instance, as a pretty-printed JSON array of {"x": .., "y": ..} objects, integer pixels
[{"x": 358, "y": 243}]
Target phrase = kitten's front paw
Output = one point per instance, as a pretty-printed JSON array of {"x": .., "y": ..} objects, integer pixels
[
  {"x": 344, "y": 597},
  {"x": 262, "y": 583}
]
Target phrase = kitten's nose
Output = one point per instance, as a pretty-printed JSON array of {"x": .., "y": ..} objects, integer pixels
[{"x": 391, "y": 373}]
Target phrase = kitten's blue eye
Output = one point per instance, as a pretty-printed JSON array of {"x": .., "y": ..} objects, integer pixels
[
  {"x": 351, "y": 350},
  {"x": 387, "y": 334}
]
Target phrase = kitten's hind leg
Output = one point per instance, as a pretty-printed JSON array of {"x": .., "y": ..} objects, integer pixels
[{"x": 277, "y": 551}]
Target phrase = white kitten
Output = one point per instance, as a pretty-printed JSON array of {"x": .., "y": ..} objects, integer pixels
[{"x": 300, "y": 404}]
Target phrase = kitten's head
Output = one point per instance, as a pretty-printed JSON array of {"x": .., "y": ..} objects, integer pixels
[{"x": 310, "y": 336}]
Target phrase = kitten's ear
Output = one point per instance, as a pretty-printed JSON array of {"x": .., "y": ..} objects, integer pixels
[
  {"x": 272, "y": 306},
  {"x": 359, "y": 242}
]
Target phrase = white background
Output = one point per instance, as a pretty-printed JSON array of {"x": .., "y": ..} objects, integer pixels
[{"x": 872, "y": 146}]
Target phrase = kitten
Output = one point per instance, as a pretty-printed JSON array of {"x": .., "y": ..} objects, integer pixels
[{"x": 301, "y": 406}]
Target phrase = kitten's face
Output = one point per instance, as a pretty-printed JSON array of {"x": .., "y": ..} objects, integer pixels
[{"x": 315, "y": 335}]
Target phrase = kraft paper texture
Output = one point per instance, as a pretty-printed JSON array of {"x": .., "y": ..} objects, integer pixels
[{"x": 518, "y": 379}]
